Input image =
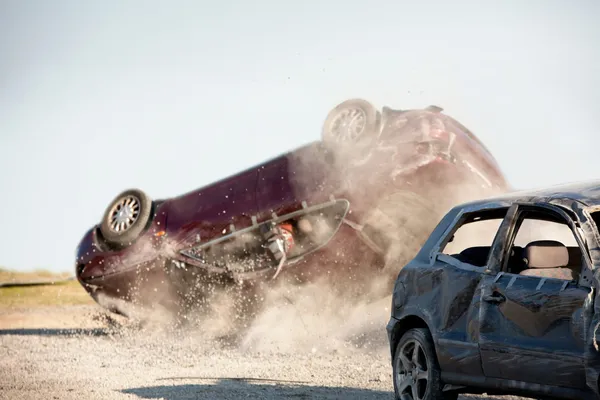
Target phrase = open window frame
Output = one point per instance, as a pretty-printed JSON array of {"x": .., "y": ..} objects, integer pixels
[
  {"x": 521, "y": 211},
  {"x": 464, "y": 217}
]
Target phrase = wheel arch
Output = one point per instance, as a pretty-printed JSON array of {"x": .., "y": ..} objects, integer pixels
[{"x": 404, "y": 324}]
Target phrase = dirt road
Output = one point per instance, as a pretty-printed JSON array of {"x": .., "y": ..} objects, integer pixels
[{"x": 75, "y": 352}]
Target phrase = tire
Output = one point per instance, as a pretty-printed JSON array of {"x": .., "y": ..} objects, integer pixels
[
  {"x": 428, "y": 383},
  {"x": 139, "y": 206},
  {"x": 363, "y": 123}
]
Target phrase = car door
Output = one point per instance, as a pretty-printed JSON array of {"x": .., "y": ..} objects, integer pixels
[{"x": 532, "y": 327}]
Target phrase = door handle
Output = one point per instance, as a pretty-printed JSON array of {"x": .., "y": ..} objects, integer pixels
[{"x": 494, "y": 298}]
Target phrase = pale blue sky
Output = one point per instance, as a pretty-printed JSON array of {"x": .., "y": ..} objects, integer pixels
[{"x": 96, "y": 97}]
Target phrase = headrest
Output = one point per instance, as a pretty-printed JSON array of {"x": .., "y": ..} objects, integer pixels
[{"x": 546, "y": 254}]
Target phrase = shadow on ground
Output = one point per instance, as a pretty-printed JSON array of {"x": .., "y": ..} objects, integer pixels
[
  {"x": 243, "y": 388},
  {"x": 236, "y": 388},
  {"x": 54, "y": 332}
]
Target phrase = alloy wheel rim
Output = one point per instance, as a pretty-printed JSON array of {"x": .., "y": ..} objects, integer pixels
[
  {"x": 349, "y": 124},
  {"x": 412, "y": 376},
  {"x": 124, "y": 214}
]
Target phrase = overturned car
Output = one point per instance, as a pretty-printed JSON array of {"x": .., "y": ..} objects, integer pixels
[{"x": 334, "y": 207}]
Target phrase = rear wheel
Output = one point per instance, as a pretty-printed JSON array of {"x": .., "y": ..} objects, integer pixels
[
  {"x": 354, "y": 121},
  {"x": 126, "y": 217},
  {"x": 417, "y": 374}
]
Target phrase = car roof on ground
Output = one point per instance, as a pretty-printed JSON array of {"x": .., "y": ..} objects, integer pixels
[{"x": 587, "y": 193}]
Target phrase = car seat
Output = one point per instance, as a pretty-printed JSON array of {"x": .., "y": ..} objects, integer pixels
[{"x": 549, "y": 259}]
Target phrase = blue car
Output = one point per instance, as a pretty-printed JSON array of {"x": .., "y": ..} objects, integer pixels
[{"x": 502, "y": 299}]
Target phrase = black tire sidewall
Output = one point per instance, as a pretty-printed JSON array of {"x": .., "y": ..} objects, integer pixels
[
  {"x": 128, "y": 237},
  {"x": 434, "y": 385}
]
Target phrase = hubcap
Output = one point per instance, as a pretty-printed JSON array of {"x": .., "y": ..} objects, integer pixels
[
  {"x": 349, "y": 124},
  {"x": 124, "y": 214},
  {"x": 412, "y": 374}
]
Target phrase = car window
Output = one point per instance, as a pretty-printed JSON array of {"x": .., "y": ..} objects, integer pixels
[
  {"x": 545, "y": 246},
  {"x": 472, "y": 240},
  {"x": 535, "y": 229},
  {"x": 596, "y": 218}
]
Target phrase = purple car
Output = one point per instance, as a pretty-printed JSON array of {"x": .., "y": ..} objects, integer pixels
[{"x": 342, "y": 202}]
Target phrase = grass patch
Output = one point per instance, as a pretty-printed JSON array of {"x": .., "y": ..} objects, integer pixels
[
  {"x": 68, "y": 293},
  {"x": 63, "y": 293},
  {"x": 37, "y": 275}
]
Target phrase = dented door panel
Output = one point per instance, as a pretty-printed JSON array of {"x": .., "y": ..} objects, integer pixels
[
  {"x": 532, "y": 329},
  {"x": 456, "y": 319}
]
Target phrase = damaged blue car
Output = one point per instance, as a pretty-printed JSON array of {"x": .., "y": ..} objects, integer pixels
[{"x": 503, "y": 299}]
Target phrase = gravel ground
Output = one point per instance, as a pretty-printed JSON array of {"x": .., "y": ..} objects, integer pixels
[{"x": 75, "y": 352}]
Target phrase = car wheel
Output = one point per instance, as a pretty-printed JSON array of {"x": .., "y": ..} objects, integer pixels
[
  {"x": 354, "y": 121},
  {"x": 126, "y": 217},
  {"x": 416, "y": 370}
]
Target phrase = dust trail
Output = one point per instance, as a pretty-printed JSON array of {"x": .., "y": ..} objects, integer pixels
[
  {"x": 314, "y": 318},
  {"x": 331, "y": 315},
  {"x": 348, "y": 310}
]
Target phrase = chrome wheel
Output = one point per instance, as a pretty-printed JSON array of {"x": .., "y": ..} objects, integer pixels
[
  {"x": 349, "y": 124},
  {"x": 124, "y": 213},
  {"x": 412, "y": 371},
  {"x": 126, "y": 218}
]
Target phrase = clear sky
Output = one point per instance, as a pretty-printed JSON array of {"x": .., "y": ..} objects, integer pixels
[{"x": 99, "y": 96}]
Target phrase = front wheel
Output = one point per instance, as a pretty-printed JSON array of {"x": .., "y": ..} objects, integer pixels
[
  {"x": 417, "y": 374},
  {"x": 126, "y": 217}
]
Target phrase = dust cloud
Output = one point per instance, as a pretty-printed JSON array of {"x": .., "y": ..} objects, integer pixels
[
  {"x": 314, "y": 318},
  {"x": 337, "y": 313}
]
